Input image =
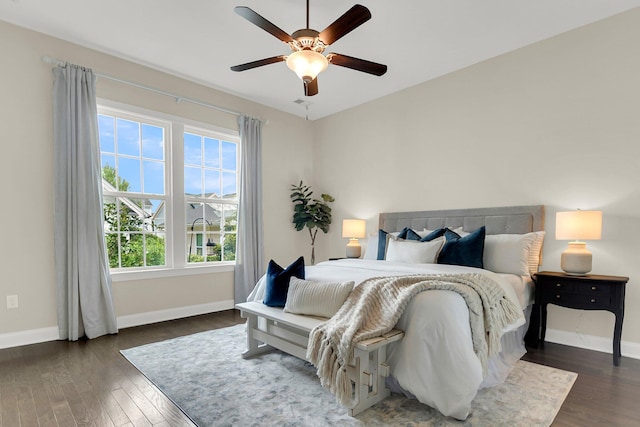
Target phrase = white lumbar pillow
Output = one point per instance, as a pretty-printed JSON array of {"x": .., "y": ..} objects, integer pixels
[
  {"x": 413, "y": 251},
  {"x": 316, "y": 298}
]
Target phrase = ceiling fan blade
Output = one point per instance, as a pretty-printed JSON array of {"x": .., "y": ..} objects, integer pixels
[
  {"x": 263, "y": 23},
  {"x": 357, "y": 64},
  {"x": 311, "y": 88},
  {"x": 352, "y": 19},
  {"x": 258, "y": 63}
]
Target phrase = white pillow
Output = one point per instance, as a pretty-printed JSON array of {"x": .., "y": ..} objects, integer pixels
[
  {"x": 371, "y": 251},
  {"x": 412, "y": 251},
  {"x": 512, "y": 253},
  {"x": 316, "y": 298}
]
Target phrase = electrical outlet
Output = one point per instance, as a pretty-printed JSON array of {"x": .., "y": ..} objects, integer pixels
[{"x": 12, "y": 301}]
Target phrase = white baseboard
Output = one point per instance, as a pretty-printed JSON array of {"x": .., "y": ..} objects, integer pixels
[
  {"x": 592, "y": 342},
  {"x": 172, "y": 313},
  {"x": 32, "y": 336},
  {"x": 35, "y": 336}
]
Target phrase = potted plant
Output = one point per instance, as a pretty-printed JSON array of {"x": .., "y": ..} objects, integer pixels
[{"x": 311, "y": 213}]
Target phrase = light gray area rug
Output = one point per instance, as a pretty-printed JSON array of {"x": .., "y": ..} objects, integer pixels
[{"x": 206, "y": 377}]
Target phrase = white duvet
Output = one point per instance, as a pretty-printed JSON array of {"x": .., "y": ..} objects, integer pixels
[{"x": 435, "y": 361}]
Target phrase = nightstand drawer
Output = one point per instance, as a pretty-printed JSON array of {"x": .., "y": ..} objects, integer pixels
[
  {"x": 569, "y": 287},
  {"x": 596, "y": 289},
  {"x": 580, "y": 301},
  {"x": 560, "y": 287}
]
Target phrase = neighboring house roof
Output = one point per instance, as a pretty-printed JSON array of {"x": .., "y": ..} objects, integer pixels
[
  {"x": 139, "y": 211},
  {"x": 158, "y": 215},
  {"x": 195, "y": 213}
]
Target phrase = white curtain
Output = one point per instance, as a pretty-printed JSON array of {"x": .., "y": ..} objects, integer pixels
[
  {"x": 249, "y": 246},
  {"x": 85, "y": 305}
]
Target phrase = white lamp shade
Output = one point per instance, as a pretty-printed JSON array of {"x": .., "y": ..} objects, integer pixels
[
  {"x": 579, "y": 225},
  {"x": 307, "y": 64},
  {"x": 354, "y": 228}
]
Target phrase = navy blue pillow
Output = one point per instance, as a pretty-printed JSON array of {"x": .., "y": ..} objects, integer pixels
[
  {"x": 408, "y": 234},
  {"x": 465, "y": 250},
  {"x": 382, "y": 244},
  {"x": 435, "y": 234},
  {"x": 278, "y": 278}
]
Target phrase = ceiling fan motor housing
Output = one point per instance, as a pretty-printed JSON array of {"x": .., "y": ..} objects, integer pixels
[{"x": 306, "y": 38}]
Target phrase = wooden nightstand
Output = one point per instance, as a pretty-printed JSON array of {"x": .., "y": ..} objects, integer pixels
[{"x": 590, "y": 292}]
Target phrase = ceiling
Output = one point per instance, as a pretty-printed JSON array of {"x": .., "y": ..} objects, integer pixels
[{"x": 200, "y": 39}]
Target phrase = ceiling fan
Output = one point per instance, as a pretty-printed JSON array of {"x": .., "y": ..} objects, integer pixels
[{"x": 307, "y": 45}]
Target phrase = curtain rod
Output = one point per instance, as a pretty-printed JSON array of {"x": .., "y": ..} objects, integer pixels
[{"x": 178, "y": 98}]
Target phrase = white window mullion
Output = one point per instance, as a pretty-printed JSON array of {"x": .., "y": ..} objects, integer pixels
[{"x": 178, "y": 214}]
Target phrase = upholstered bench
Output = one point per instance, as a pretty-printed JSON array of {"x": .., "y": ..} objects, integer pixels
[{"x": 270, "y": 327}]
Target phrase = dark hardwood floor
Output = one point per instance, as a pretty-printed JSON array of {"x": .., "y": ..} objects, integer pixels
[
  {"x": 603, "y": 394},
  {"x": 88, "y": 383}
]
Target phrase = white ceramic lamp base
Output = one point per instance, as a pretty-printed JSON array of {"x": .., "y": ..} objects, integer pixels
[
  {"x": 354, "y": 250},
  {"x": 576, "y": 259}
]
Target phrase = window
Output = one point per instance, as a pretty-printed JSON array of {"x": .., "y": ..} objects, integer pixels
[
  {"x": 133, "y": 183},
  {"x": 211, "y": 196},
  {"x": 159, "y": 213}
]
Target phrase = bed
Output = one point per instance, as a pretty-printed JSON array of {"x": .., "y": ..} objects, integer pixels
[{"x": 435, "y": 362}]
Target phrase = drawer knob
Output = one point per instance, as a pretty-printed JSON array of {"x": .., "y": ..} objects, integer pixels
[
  {"x": 593, "y": 300},
  {"x": 558, "y": 285},
  {"x": 557, "y": 296},
  {"x": 593, "y": 288}
]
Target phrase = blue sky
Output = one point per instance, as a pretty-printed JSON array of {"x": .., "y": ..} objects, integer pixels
[
  {"x": 140, "y": 152},
  {"x": 202, "y": 153}
]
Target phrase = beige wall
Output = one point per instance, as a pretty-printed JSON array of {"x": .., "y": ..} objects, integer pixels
[
  {"x": 556, "y": 123},
  {"x": 26, "y": 217}
]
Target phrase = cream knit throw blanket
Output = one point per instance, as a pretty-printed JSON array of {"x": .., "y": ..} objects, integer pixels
[{"x": 374, "y": 307}]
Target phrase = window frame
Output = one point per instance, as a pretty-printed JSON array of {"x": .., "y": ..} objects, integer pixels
[
  {"x": 207, "y": 133},
  {"x": 175, "y": 200},
  {"x": 131, "y": 195}
]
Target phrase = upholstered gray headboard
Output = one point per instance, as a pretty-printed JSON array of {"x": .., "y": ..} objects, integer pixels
[{"x": 505, "y": 220}]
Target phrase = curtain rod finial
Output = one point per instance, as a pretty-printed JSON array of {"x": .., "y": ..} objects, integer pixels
[{"x": 53, "y": 61}]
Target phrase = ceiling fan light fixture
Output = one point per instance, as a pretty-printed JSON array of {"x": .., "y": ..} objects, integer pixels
[{"x": 307, "y": 64}]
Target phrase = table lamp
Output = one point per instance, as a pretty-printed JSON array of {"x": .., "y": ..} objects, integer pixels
[
  {"x": 354, "y": 229},
  {"x": 578, "y": 225}
]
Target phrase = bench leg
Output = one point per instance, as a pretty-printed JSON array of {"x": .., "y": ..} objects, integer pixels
[
  {"x": 254, "y": 347},
  {"x": 369, "y": 378}
]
